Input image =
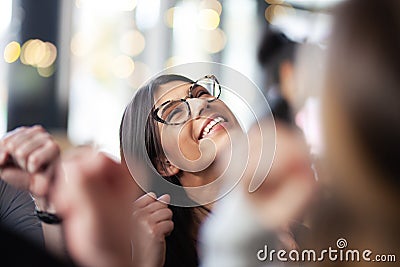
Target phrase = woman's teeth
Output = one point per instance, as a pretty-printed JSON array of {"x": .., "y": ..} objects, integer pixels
[{"x": 210, "y": 125}]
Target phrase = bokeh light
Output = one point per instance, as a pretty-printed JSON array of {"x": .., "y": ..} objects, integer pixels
[
  {"x": 274, "y": 13},
  {"x": 213, "y": 41},
  {"x": 12, "y": 52},
  {"x": 123, "y": 66},
  {"x": 49, "y": 57},
  {"x": 37, "y": 53},
  {"x": 211, "y": 4},
  {"x": 208, "y": 19},
  {"x": 132, "y": 43}
]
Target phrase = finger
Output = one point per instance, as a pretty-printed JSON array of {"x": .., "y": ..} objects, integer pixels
[
  {"x": 15, "y": 137},
  {"x": 29, "y": 145},
  {"x": 165, "y": 227},
  {"x": 166, "y": 199},
  {"x": 160, "y": 215},
  {"x": 16, "y": 177},
  {"x": 152, "y": 207},
  {"x": 14, "y": 142},
  {"x": 12, "y": 134},
  {"x": 145, "y": 200},
  {"x": 43, "y": 156}
]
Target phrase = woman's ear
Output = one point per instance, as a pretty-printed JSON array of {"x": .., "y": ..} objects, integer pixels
[{"x": 165, "y": 168}]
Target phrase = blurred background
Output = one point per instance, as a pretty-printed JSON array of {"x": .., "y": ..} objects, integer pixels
[{"x": 73, "y": 65}]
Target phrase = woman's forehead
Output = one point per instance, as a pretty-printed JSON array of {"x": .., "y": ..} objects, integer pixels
[{"x": 171, "y": 90}]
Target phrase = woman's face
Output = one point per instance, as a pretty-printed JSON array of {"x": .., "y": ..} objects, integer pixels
[{"x": 209, "y": 121}]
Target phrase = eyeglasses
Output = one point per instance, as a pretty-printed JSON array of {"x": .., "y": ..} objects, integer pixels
[{"x": 177, "y": 111}]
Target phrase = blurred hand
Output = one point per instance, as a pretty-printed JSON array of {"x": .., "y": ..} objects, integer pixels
[
  {"x": 28, "y": 159},
  {"x": 152, "y": 222},
  {"x": 288, "y": 188},
  {"x": 94, "y": 195}
]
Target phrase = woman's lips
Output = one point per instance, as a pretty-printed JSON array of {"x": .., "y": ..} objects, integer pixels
[{"x": 211, "y": 125}]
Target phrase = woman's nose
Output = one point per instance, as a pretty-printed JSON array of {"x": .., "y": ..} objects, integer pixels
[{"x": 197, "y": 106}]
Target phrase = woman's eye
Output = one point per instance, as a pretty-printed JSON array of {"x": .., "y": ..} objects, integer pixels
[
  {"x": 202, "y": 93},
  {"x": 173, "y": 113}
]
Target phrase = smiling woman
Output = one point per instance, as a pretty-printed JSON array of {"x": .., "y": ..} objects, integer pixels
[{"x": 164, "y": 127}]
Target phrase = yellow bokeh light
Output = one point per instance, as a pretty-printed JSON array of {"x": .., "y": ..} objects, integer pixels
[
  {"x": 33, "y": 52},
  {"x": 38, "y": 53},
  {"x": 49, "y": 57},
  {"x": 23, "y": 60},
  {"x": 12, "y": 52},
  {"x": 213, "y": 41},
  {"x": 279, "y": 11},
  {"x": 275, "y": 12},
  {"x": 132, "y": 43},
  {"x": 208, "y": 19},
  {"x": 211, "y": 4},
  {"x": 123, "y": 66},
  {"x": 100, "y": 65},
  {"x": 269, "y": 14}
]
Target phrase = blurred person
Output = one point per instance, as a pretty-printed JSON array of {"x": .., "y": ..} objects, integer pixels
[
  {"x": 361, "y": 115},
  {"x": 245, "y": 222},
  {"x": 33, "y": 149},
  {"x": 93, "y": 195},
  {"x": 176, "y": 113},
  {"x": 277, "y": 55},
  {"x": 91, "y": 205},
  {"x": 292, "y": 72},
  {"x": 16, "y": 205},
  {"x": 28, "y": 160}
]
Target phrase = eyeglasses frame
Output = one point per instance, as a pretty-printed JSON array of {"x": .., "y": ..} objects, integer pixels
[{"x": 194, "y": 84}]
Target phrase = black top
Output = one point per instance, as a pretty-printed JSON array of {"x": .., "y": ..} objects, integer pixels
[{"x": 17, "y": 213}]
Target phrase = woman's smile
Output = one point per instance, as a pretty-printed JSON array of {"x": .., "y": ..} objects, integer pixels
[{"x": 212, "y": 125}]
